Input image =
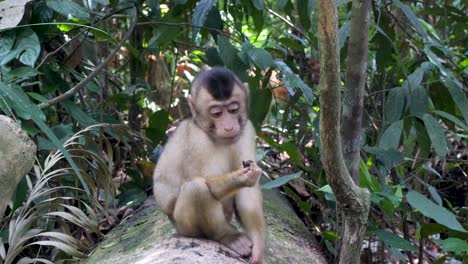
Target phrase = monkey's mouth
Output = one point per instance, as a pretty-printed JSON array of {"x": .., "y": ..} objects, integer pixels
[{"x": 229, "y": 139}]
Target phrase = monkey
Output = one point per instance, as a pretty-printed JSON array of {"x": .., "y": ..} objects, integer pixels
[{"x": 206, "y": 173}]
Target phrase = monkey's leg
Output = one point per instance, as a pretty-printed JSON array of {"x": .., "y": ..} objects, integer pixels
[{"x": 198, "y": 213}]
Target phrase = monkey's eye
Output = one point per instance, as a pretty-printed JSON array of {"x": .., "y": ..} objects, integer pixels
[
  {"x": 216, "y": 114},
  {"x": 233, "y": 109}
]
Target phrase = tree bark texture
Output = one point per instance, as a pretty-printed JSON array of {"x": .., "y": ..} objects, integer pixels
[
  {"x": 17, "y": 155},
  {"x": 352, "y": 201},
  {"x": 353, "y": 100}
]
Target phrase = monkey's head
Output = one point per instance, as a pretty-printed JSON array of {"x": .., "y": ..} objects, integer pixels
[{"x": 219, "y": 104}]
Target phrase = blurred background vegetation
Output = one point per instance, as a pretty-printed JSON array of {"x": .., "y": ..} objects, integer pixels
[{"x": 98, "y": 83}]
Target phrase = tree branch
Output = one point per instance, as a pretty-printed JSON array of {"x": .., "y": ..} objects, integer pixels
[
  {"x": 353, "y": 101},
  {"x": 68, "y": 94},
  {"x": 353, "y": 203}
]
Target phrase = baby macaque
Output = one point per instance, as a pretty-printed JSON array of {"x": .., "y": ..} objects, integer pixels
[{"x": 206, "y": 172}]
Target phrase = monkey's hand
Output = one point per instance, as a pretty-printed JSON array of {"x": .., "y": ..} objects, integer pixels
[{"x": 250, "y": 175}]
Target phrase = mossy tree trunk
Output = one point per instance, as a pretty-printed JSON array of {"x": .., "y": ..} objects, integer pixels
[{"x": 352, "y": 202}]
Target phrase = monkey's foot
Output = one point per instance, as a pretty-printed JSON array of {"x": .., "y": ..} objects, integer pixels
[{"x": 239, "y": 242}]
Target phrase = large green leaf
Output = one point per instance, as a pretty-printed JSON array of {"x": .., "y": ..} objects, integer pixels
[
  {"x": 436, "y": 134},
  {"x": 292, "y": 81},
  {"x": 158, "y": 123},
  {"x": 281, "y": 181},
  {"x": 7, "y": 41},
  {"x": 259, "y": 103},
  {"x": 199, "y": 15},
  {"x": 395, "y": 104},
  {"x": 434, "y": 211},
  {"x": 26, "y": 48},
  {"x": 453, "y": 244},
  {"x": 391, "y": 136},
  {"x": 69, "y": 9},
  {"x": 412, "y": 18},
  {"x": 419, "y": 102},
  {"x": 394, "y": 241},
  {"x": 258, "y": 56}
]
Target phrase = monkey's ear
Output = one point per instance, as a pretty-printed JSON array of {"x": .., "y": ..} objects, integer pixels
[
  {"x": 191, "y": 104},
  {"x": 247, "y": 89}
]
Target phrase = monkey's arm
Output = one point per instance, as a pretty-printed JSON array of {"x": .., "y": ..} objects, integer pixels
[{"x": 229, "y": 184}]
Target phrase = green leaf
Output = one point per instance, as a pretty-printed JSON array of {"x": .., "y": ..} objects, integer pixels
[
  {"x": 214, "y": 21},
  {"x": 391, "y": 136},
  {"x": 69, "y": 9},
  {"x": 452, "y": 118},
  {"x": 431, "y": 229},
  {"x": 438, "y": 213},
  {"x": 412, "y": 18},
  {"x": 83, "y": 119},
  {"x": 436, "y": 134},
  {"x": 388, "y": 157},
  {"x": 303, "y": 11},
  {"x": 419, "y": 101},
  {"x": 260, "y": 100},
  {"x": 26, "y": 48},
  {"x": 292, "y": 151},
  {"x": 213, "y": 58},
  {"x": 7, "y": 41},
  {"x": 456, "y": 90},
  {"x": 366, "y": 179},
  {"x": 292, "y": 81},
  {"x": 394, "y": 241},
  {"x": 395, "y": 104},
  {"x": 258, "y": 56},
  {"x": 281, "y": 181},
  {"x": 259, "y": 4},
  {"x": 158, "y": 123},
  {"x": 229, "y": 55},
  {"x": 453, "y": 244},
  {"x": 19, "y": 102},
  {"x": 200, "y": 13}
]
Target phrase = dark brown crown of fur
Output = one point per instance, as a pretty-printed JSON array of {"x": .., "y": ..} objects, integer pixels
[{"x": 218, "y": 81}]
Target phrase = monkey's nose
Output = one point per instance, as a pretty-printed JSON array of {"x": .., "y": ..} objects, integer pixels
[{"x": 228, "y": 129}]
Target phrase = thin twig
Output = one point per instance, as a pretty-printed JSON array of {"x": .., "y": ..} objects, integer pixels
[{"x": 91, "y": 76}]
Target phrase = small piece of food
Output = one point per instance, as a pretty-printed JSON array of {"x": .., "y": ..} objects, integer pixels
[{"x": 246, "y": 163}]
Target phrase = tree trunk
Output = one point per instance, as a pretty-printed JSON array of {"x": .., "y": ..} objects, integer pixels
[
  {"x": 352, "y": 201},
  {"x": 149, "y": 237},
  {"x": 353, "y": 100}
]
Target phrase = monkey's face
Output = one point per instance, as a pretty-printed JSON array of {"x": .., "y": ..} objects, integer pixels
[{"x": 222, "y": 120}]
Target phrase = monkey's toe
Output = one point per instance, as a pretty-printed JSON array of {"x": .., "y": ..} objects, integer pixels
[{"x": 240, "y": 243}]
